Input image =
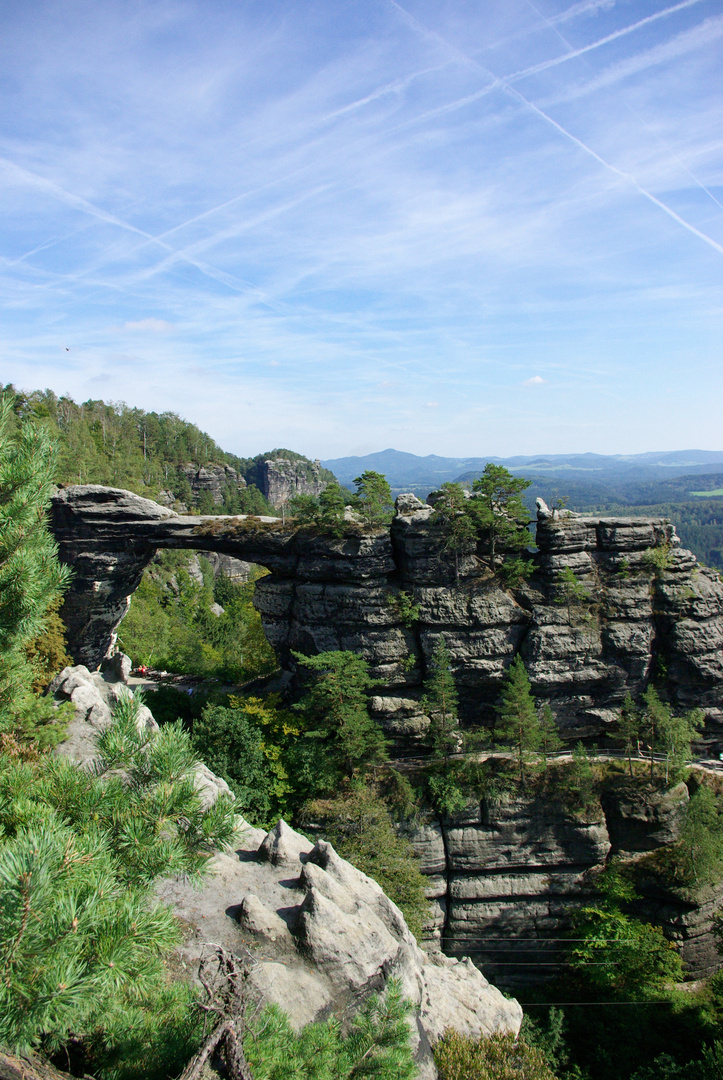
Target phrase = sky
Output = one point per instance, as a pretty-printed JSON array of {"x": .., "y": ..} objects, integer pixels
[{"x": 460, "y": 227}]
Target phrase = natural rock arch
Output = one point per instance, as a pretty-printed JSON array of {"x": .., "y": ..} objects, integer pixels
[{"x": 328, "y": 593}]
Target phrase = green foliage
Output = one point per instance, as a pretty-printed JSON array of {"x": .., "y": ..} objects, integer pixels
[
  {"x": 451, "y": 513},
  {"x": 571, "y": 593},
  {"x": 579, "y": 779},
  {"x": 665, "y": 1067},
  {"x": 549, "y": 735},
  {"x": 376, "y": 1045},
  {"x": 499, "y": 513},
  {"x": 628, "y": 729},
  {"x": 81, "y": 939},
  {"x": 615, "y": 951},
  {"x": 374, "y": 498},
  {"x": 31, "y": 578},
  {"x": 668, "y": 734},
  {"x": 170, "y": 624},
  {"x": 517, "y": 724},
  {"x": 112, "y": 444},
  {"x": 325, "y": 513},
  {"x": 48, "y": 652},
  {"x": 359, "y": 826},
  {"x": 304, "y": 508},
  {"x": 698, "y": 858},
  {"x": 247, "y": 744},
  {"x": 440, "y": 703},
  {"x": 658, "y": 559},
  {"x": 404, "y": 608},
  {"x": 336, "y": 714},
  {"x": 499, "y": 1057},
  {"x": 514, "y": 571}
]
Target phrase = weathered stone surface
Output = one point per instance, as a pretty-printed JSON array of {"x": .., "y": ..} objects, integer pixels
[
  {"x": 280, "y": 479},
  {"x": 507, "y": 875},
  {"x": 322, "y": 934},
  {"x": 282, "y": 845},
  {"x": 583, "y": 657},
  {"x": 215, "y": 479}
]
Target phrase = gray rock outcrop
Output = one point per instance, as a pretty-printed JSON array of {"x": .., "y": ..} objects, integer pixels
[
  {"x": 279, "y": 479},
  {"x": 321, "y": 936},
  {"x": 583, "y": 655},
  {"x": 215, "y": 479}
]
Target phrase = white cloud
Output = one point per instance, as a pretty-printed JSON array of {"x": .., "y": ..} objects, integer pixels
[
  {"x": 153, "y": 326},
  {"x": 536, "y": 380}
]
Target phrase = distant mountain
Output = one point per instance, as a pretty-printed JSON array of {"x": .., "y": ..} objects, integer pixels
[{"x": 593, "y": 471}]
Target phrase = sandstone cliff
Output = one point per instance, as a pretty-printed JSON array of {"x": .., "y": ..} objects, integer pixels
[
  {"x": 326, "y": 593},
  {"x": 279, "y": 479},
  {"x": 506, "y": 873}
]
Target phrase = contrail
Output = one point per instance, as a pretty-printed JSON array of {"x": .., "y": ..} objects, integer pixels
[
  {"x": 79, "y": 203},
  {"x": 513, "y": 92},
  {"x": 546, "y": 64},
  {"x": 641, "y": 120},
  {"x": 618, "y": 172}
]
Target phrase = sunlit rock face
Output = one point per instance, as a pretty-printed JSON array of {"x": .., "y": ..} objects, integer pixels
[{"x": 583, "y": 653}]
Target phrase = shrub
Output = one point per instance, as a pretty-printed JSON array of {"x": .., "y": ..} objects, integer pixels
[{"x": 499, "y": 1057}]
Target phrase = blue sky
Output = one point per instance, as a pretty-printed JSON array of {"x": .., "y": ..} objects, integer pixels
[{"x": 446, "y": 226}]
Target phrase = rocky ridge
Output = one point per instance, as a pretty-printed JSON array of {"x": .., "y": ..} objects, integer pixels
[
  {"x": 637, "y": 617},
  {"x": 319, "y": 934}
]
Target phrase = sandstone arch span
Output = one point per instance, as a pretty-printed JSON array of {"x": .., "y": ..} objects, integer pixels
[{"x": 326, "y": 593}]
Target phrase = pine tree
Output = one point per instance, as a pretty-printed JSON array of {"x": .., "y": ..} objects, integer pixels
[
  {"x": 332, "y": 502},
  {"x": 440, "y": 703},
  {"x": 518, "y": 725},
  {"x": 81, "y": 937},
  {"x": 31, "y": 578},
  {"x": 376, "y": 1045},
  {"x": 374, "y": 497},
  {"x": 629, "y": 728},
  {"x": 498, "y": 510},
  {"x": 451, "y": 512},
  {"x": 336, "y": 705}
]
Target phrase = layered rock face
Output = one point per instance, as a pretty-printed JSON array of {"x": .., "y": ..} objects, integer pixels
[
  {"x": 214, "y": 479},
  {"x": 584, "y": 649},
  {"x": 505, "y": 876},
  {"x": 279, "y": 479}
]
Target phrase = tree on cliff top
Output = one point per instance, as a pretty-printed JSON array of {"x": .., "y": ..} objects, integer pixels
[
  {"x": 31, "y": 577},
  {"x": 498, "y": 509},
  {"x": 451, "y": 512},
  {"x": 374, "y": 498}
]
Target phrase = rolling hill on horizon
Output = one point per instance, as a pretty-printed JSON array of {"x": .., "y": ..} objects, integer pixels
[{"x": 413, "y": 471}]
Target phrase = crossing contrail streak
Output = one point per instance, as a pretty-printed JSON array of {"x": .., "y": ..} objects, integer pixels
[
  {"x": 618, "y": 172},
  {"x": 546, "y": 64},
  {"x": 503, "y": 83},
  {"x": 641, "y": 120}
]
